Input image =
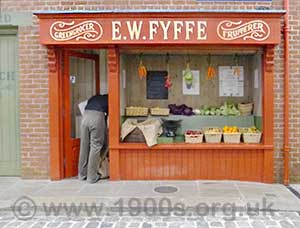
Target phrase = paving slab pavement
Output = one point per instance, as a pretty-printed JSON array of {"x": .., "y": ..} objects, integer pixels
[
  {"x": 45, "y": 203},
  {"x": 189, "y": 193}
]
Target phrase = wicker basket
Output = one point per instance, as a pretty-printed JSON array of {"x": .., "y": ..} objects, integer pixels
[
  {"x": 160, "y": 111},
  {"x": 212, "y": 137},
  {"x": 252, "y": 137},
  {"x": 136, "y": 111},
  {"x": 194, "y": 138},
  {"x": 232, "y": 137},
  {"x": 245, "y": 109}
]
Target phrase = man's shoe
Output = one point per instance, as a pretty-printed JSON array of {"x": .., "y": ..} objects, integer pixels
[
  {"x": 94, "y": 181},
  {"x": 82, "y": 178}
]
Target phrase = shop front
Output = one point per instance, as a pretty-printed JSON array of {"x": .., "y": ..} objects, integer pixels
[{"x": 211, "y": 73}]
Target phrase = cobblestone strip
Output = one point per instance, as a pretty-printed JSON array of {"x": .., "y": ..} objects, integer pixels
[{"x": 276, "y": 220}]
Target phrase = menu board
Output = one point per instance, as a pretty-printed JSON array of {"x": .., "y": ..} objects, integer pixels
[
  {"x": 231, "y": 83},
  {"x": 156, "y": 85}
]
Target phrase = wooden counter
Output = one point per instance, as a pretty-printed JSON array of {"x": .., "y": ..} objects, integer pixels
[{"x": 193, "y": 161}]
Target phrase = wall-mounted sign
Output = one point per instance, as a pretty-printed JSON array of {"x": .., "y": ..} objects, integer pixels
[
  {"x": 156, "y": 85},
  {"x": 86, "y": 30},
  {"x": 231, "y": 84},
  {"x": 253, "y": 30},
  {"x": 160, "y": 30}
]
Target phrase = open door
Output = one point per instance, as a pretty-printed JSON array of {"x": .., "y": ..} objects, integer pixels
[{"x": 80, "y": 82}]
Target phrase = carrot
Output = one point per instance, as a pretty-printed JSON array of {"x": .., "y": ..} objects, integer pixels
[{"x": 211, "y": 73}]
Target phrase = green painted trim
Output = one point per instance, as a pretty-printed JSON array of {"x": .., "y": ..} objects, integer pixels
[
  {"x": 9, "y": 169},
  {"x": 258, "y": 122},
  {"x": 8, "y": 30},
  {"x": 122, "y": 119},
  {"x": 18, "y": 132},
  {"x": 16, "y": 18},
  {"x": 198, "y": 122}
]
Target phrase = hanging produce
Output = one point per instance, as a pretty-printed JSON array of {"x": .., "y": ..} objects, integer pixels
[
  {"x": 236, "y": 69},
  {"x": 142, "y": 71},
  {"x": 188, "y": 75},
  {"x": 211, "y": 72},
  {"x": 168, "y": 82}
]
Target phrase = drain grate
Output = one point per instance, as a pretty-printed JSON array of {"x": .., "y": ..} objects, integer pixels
[{"x": 165, "y": 189}]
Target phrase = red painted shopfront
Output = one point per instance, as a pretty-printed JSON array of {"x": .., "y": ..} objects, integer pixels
[{"x": 120, "y": 32}]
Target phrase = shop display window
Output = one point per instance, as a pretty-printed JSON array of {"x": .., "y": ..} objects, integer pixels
[{"x": 197, "y": 96}]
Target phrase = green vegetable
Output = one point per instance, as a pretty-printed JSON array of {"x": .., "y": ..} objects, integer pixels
[
  {"x": 188, "y": 76},
  {"x": 227, "y": 109}
]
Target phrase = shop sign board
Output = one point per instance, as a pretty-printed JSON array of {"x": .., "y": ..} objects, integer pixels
[{"x": 160, "y": 30}]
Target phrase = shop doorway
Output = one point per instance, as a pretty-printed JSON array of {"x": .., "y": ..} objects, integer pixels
[
  {"x": 81, "y": 80},
  {"x": 10, "y": 158}
]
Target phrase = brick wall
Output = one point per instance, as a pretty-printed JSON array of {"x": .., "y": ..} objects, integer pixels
[
  {"x": 34, "y": 87},
  {"x": 295, "y": 89}
]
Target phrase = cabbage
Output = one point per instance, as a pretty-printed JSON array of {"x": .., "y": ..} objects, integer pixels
[{"x": 227, "y": 109}]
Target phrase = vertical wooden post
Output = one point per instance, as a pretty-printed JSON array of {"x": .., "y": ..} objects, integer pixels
[
  {"x": 268, "y": 116},
  {"x": 55, "y": 114},
  {"x": 114, "y": 111}
]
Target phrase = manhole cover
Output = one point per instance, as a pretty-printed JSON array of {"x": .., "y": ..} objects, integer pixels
[{"x": 165, "y": 189}]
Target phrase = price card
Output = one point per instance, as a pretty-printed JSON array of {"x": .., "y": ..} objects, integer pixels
[{"x": 231, "y": 81}]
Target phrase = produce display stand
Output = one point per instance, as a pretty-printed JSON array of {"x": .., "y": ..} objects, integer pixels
[{"x": 178, "y": 161}]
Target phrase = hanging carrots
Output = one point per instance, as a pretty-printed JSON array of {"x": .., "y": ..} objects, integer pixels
[
  {"x": 236, "y": 69},
  {"x": 211, "y": 72},
  {"x": 142, "y": 71}
]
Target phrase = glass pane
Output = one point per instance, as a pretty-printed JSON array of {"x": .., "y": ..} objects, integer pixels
[{"x": 83, "y": 86}]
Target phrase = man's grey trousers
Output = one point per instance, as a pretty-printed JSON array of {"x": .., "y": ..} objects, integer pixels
[{"x": 93, "y": 138}]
